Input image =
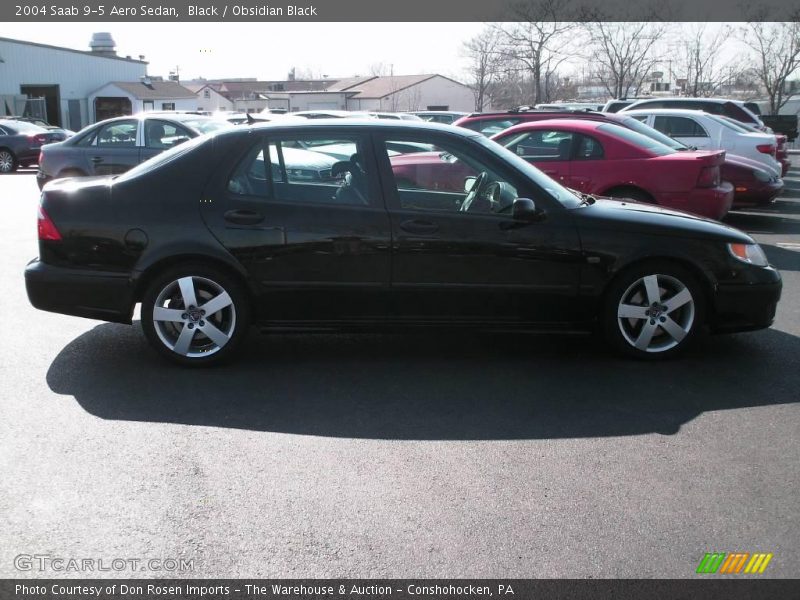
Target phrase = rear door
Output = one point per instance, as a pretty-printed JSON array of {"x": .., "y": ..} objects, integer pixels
[
  {"x": 312, "y": 231},
  {"x": 114, "y": 148},
  {"x": 684, "y": 129}
]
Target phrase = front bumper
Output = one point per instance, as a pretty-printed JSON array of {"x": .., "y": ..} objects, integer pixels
[
  {"x": 746, "y": 306},
  {"x": 95, "y": 295}
]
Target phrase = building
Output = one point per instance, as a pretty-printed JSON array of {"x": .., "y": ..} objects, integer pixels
[
  {"x": 54, "y": 83},
  {"x": 406, "y": 92},
  {"x": 128, "y": 97}
]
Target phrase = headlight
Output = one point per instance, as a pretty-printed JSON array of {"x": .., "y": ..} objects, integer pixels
[
  {"x": 749, "y": 253},
  {"x": 762, "y": 175}
]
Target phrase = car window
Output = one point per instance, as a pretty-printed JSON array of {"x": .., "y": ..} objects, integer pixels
[
  {"x": 4, "y": 131},
  {"x": 679, "y": 126},
  {"x": 119, "y": 134},
  {"x": 541, "y": 145},
  {"x": 588, "y": 149},
  {"x": 443, "y": 179},
  {"x": 163, "y": 134},
  {"x": 636, "y": 124},
  {"x": 729, "y": 124},
  {"x": 490, "y": 127},
  {"x": 163, "y": 158},
  {"x": 291, "y": 169},
  {"x": 207, "y": 125}
]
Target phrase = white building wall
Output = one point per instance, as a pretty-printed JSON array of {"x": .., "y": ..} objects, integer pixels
[
  {"x": 215, "y": 101},
  {"x": 75, "y": 73},
  {"x": 436, "y": 91},
  {"x": 137, "y": 105}
]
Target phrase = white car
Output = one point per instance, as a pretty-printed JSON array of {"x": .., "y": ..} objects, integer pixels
[{"x": 711, "y": 132}]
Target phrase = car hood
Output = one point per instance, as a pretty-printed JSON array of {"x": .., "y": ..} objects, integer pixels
[{"x": 629, "y": 215}]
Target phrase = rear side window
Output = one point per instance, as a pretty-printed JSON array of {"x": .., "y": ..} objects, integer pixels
[
  {"x": 163, "y": 134},
  {"x": 542, "y": 145},
  {"x": 636, "y": 139},
  {"x": 588, "y": 149},
  {"x": 306, "y": 170},
  {"x": 734, "y": 111},
  {"x": 679, "y": 127}
]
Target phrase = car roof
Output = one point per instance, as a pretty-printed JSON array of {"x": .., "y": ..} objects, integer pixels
[
  {"x": 401, "y": 125},
  {"x": 689, "y": 112},
  {"x": 578, "y": 124}
]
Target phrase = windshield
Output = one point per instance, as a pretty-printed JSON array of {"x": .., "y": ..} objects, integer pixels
[
  {"x": 637, "y": 139},
  {"x": 165, "y": 157},
  {"x": 639, "y": 127},
  {"x": 207, "y": 125},
  {"x": 729, "y": 124},
  {"x": 558, "y": 191}
]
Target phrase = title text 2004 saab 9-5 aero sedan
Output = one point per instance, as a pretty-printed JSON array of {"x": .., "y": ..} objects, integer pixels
[{"x": 221, "y": 232}]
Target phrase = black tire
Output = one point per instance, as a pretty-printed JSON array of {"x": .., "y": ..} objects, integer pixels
[
  {"x": 8, "y": 162},
  {"x": 229, "y": 323},
  {"x": 672, "y": 326},
  {"x": 631, "y": 194}
]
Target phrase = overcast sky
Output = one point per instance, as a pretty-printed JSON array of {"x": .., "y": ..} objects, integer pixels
[{"x": 267, "y": 50}]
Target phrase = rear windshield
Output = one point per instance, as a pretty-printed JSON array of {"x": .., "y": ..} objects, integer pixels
[
  {"x": 165, "y": 157},
  {"x": 637, "y": 139},
  {"x": 23, "y": 127},
  {"x": 729, "y": 124}
]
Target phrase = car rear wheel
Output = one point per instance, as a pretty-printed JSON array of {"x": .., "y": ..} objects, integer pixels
[
  {"x": 654, "y": 311},
  {"x": 195, "y": 315},
  {"x": 8, "y": 162}
]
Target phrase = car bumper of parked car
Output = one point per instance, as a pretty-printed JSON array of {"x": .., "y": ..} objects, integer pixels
[
  {"x": 94, "y": 295},
  {"x": 749, "y": 195},
  {"x": 710, "y": 202},
  {"x": 746, "y": 306},
  {"x": 785, "y": 164},
  {"x": 42, "y": 178}
]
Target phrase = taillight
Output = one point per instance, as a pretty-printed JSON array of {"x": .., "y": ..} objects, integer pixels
[
  {"x": 39, "y": 138},
  {"x": 47, "y": 229},
  {"x": 766, "y": 149},
  {"x": 709, "y": 177}
]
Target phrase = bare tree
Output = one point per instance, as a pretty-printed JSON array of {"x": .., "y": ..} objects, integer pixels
[
  {"x": 699, "y": 60},
  {"x": 538, "y": 42},
  {"x": 776, "y": 47},
  {"x": 624, "y": 54},
  {"x": 380, "y": 69},
  {"x": 485, "y": 64}
]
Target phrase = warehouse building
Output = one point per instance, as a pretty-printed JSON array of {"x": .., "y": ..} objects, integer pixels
[{"x": 56, "y": 83}]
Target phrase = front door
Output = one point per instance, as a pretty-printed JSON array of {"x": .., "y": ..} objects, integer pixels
[
  {"x": 458, "y": 255},
  {"x": 311, "y": 229}
]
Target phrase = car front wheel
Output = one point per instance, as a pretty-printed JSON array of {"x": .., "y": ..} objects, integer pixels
[
  {"x": 195, "y": 315},
  {"x": 654, "y": 311}
]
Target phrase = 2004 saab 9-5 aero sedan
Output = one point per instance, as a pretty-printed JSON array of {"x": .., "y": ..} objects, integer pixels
[{"x": 220, "y": 232}]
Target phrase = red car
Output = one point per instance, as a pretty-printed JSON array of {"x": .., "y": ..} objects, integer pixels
[
  {"x": 782, "y": 153},
  {"x": 610, "y": 160},
  {"x": 752, "y": 183}
]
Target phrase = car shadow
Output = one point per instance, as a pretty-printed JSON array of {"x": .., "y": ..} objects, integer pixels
[
  {"x": 427, "y": 387},
  {"x": 782, "y": 259},
  {"x": 770, "y": 223}
]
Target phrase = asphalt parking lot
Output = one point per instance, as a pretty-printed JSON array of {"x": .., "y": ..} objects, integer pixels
[{"x": 397, "y": 456}]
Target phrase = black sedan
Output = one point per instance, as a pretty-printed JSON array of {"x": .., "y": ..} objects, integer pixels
[
  {"x": 20, "y": 143},
  {"x": 220, "y": 232},
  {"x": 115, "y": 145}
]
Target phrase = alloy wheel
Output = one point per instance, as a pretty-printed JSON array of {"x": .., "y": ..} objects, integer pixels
[
  {"x": 194, "y": 316},
  {"x": 656, "y": 313},
  {"x": 6, "y": 161}
]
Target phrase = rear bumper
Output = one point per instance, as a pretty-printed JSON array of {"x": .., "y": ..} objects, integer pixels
[
  {"x": 41, "y": 178},
  {"x": 94, "y": 295},
  {"x": 711, "y": 202},
  {"x": 746, "y": 307}
]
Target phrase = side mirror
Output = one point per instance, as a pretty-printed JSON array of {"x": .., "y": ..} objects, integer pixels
[
  {"x": 524, "y": 209},
  {"x": 469, "y": 182}
]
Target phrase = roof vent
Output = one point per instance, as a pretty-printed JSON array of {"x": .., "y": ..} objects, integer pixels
[{"x": 103, "y": 44}]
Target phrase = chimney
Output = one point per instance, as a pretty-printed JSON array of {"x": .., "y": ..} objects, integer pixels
[{"x": 103, "y": 44}]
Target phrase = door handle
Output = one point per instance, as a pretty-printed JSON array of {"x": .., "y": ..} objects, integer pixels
[
  {"x": 97, "y": 159},
  {"x": 244, "y": 217},
  {"x": 419, "y": 227}
]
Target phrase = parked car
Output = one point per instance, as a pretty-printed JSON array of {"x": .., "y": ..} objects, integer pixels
[
  {"x": 570, "y": 106},
  {"x": 609, "y": 160},
  {"x": 752, "y": 182},
  {"x": 512, "y": 249},
  {"x": 785, "y": 124},
  {"x": 613, "y": 106},
  {"x": 394, "y": 116},
  {"x": 781, "y": 145},
  {"x": 113, "y": 146},
  {"x": 59, "y": 133},
  {"x": 20, "y": 144},
  {"x": 734, "y": 109},
  {"x": 446, "y": 117},
  {"x": 706, "y": 132}
]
